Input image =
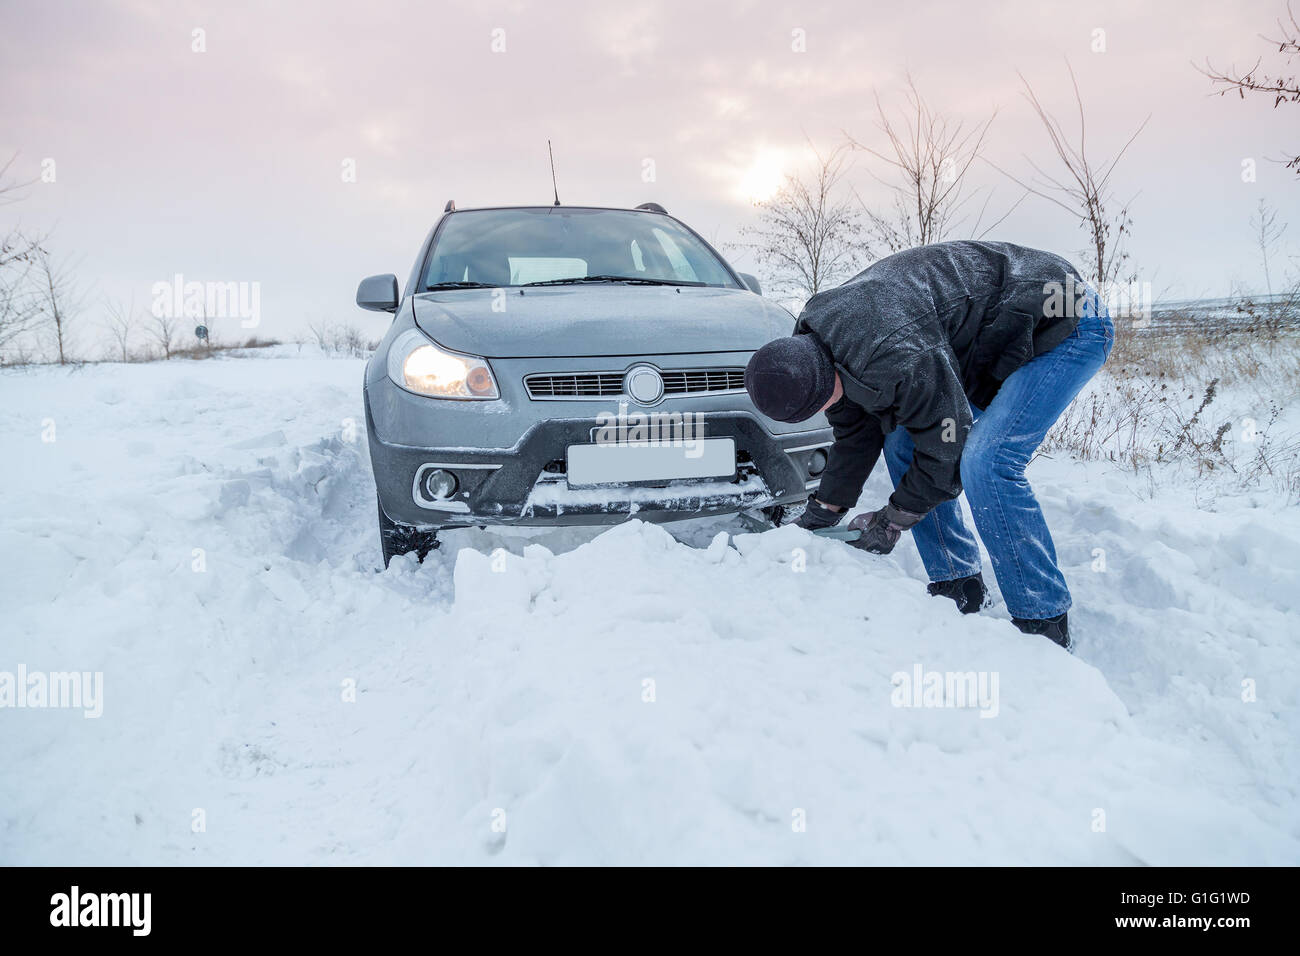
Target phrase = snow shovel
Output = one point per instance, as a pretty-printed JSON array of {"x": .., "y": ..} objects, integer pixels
[{"x": 836, "y": 533}]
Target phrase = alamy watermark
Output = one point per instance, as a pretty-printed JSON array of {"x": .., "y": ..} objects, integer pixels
[
  {"x": 208, "y": 300},
  {"x": 1123, "y": 300},
  {"x": 71, "y": 690},
  {"x": 974, "y": 690},
  {"x": 128, "y": 910},
  {"x": 642, "y": 429}
]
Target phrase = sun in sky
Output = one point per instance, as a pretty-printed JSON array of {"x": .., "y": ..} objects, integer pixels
[{"x": 765, "y": 174}]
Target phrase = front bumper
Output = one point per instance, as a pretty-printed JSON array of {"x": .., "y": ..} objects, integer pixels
[{"x": 526, "y": 484}]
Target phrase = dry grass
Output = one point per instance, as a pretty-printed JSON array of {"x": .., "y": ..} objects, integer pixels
[
  {"x": 215, "y": 348},
  {"x": 15, "y": 358},
  {"x": 1209, "y": 399}
]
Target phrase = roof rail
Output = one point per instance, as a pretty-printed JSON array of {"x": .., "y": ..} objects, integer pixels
[
  {"x": 450, "y": 207},
  {"x": 653, "y": 207}
]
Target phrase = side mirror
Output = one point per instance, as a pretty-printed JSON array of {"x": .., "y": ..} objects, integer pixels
[
  {"x": 752, "y": 282},
  {"x": 378, "y": 293}
]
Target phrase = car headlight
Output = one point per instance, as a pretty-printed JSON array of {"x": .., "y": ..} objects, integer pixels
[{"x": 419, "y": 365}]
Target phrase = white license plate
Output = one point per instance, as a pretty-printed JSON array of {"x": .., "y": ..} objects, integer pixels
[{"x": 611, "y": 464}]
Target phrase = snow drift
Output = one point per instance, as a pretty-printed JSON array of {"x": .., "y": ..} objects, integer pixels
[{"x": 202, "y": 535}]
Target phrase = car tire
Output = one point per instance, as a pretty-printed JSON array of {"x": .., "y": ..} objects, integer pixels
[{"x": 397, "y": 539}]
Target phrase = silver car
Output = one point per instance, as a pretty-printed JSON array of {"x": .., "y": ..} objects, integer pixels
[{"x": 573, "y": 365}]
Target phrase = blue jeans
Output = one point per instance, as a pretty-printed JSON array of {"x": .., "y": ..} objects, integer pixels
[{"x": 999, "y": 446}]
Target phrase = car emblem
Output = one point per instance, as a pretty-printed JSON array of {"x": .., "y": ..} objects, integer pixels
[{"x": 644, "y": 385}]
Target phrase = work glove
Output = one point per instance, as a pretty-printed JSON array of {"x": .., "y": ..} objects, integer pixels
[
  {"x": 881, "y": 529},
  {"x": 817, "y": 515}
]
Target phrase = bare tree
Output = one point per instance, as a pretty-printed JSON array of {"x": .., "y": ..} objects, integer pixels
[
  {"x": 121, "y": 322},
  {"x": 60, "y": 300},
  {"x": 320, "y": 333},
  {"x": 1084, "y": 191},
  {"x": 808, "y": 234},
  {"x": 164, "y": 329},
  {"x": 1283, "y": 89},
  {"x": 1267, "y": 317},
  {"x": 351, "y": 341},
  {"x": 931, "y": 155},
  {"x": 10, "y": 191},
  {"x": 20, "y": 308},
  {"x": 1267, "y": 233}
]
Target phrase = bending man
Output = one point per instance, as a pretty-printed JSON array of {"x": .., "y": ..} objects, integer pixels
[{"x": 954, "y": 359}]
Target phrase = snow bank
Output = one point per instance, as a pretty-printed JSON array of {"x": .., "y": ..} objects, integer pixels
[{"x": 202, "y": 534}]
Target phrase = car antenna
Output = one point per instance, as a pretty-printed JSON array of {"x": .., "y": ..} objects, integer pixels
[{"x": 553, "y": 186}]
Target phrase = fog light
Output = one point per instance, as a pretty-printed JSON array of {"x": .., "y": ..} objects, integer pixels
[
  {"x": 817, "y": 462},
  {"x": 439, "y": 485}
]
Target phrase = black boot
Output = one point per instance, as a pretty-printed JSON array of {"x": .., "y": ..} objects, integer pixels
[
  {"x": 1057, "y": 629},
  {"x": 968, "y": 593}
]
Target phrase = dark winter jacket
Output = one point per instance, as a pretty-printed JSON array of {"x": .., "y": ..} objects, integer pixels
[{"x": 917, "y": 334}]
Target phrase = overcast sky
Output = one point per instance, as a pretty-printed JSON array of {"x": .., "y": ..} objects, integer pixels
[{"x": 227, "y": 165}]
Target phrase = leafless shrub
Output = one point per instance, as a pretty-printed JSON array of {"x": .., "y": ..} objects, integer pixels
[
  {"x": 165, "y": 331},
  {"x": 1267, "y": 317},
  {"x": 809, "y": 235},
  {"x": 1085, "y": 191},
  {"x": 1267, "y": 233},
  {"x": 342, "y": 338},
  {"x": 1277, "y": 458},
  {"x": 17, "y": 357},
  {"x": 60, "y": 300},
  {"x": 20, "y": 307},
  {"x": 352, "y": 341},
  {"x": 121, "y": 320},
  {"x": 930, "y": 155}
]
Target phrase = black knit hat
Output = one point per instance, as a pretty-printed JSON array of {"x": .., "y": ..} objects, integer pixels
[{"x": 790, "y": 379}]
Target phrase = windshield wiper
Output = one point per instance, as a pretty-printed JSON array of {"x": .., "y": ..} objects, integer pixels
[
  {"x": 637, "y": 280},
  {"x": 458, "y": 285}
]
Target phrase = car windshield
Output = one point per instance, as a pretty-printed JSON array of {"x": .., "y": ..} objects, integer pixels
[{"x": 557, "y": 245}]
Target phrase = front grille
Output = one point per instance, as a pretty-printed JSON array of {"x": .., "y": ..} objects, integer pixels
[
  {"x": 610, "y": 384},
  {"x": 704, "y": 380},
  {"x": 579, "y": 385}
]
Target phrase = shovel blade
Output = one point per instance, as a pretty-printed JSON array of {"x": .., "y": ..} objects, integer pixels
[{"x": 838, "y": 534}]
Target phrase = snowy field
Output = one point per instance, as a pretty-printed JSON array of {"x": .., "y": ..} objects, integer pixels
[{"x": 203, "y": 534}]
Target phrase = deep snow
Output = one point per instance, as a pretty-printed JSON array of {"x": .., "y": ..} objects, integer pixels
[{"x": 621, "y": 696}]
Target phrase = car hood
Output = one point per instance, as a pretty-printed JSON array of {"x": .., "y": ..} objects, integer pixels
[{"x": 562, "y": 321}]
